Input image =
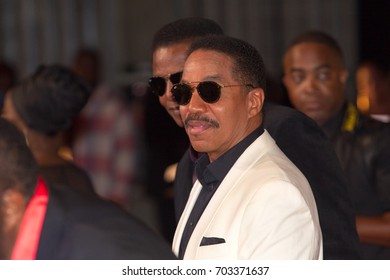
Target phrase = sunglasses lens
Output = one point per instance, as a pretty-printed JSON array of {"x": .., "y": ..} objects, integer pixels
[
  {"x": 182, "y": 93},
  {"x": 209, "y": 91},
  {"x": 157, "y": 85},
  {"x": 175, "y": 78}
]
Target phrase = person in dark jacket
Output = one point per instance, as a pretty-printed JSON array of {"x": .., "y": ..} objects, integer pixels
[
  {"x": 43, "y": 106},
  {"x": 315, "y": 78},
  {"x": 44, "y": 221}
]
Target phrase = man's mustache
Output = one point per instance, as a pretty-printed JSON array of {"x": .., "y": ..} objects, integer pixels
[{"x": 196, "y": 117}]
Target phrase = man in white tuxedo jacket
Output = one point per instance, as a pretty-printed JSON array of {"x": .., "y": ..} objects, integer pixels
[{"x": 249, "y": 200}]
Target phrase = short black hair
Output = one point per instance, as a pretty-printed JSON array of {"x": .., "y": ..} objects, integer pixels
[
  {"x": 319, "y": 37},
  {"x": 49, "y": 99},
  {"x": 18, "y": 168},
  {"x": 248, "y": 64},
  {"x": 184, "y": 29}
]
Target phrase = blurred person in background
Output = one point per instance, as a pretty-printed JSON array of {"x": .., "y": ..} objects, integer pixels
[
  {"x": 373, "y": 90},
  {"x": 45, "y": 221},
  {"x": 315, "y": 77},
  {"x": 43, "y": 106},
  {"x": 104, "y": 137}
]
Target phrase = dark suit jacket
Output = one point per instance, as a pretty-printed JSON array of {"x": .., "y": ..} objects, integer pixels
[
  {"x": 307, "y": 147},
  {"x": 79, "y": 226}
]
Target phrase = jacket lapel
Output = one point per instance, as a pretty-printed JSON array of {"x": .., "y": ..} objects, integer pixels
[{"x": 184, "y": 217}]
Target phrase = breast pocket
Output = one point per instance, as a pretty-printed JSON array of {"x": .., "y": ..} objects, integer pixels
[{"x": 206, "y": 241}]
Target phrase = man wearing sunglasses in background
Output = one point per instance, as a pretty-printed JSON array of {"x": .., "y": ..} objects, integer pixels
[
  {"x": 298, "y": 137},
  {"x": 170, "y": 45},
  {"x": 167, "y": 140},
  {"x": 249, "y": 201}
]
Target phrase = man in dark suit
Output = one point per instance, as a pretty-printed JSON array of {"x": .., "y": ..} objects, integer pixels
[
  {"x": 297, "y": 136},
  {"x": 38, "y": 221},
  {"x": 315, "y": 77}
]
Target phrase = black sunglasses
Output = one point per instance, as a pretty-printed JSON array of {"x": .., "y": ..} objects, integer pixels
[
  {"x": 209, "y": 91},
  {"x": 158, "y": 85}
]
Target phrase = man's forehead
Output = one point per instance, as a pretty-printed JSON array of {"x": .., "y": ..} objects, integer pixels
[
  {"x": 207, "y": 65},
  {"x": 213, "y": 56},
  {"x": 308, "y": 53},
  {"x": 172, "y": 50},
  {"x": 169, "y": 59},
  {"x": 313, "y": 59}
]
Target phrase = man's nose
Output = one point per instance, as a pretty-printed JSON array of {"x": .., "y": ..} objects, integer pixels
[
  {"x": 168, "y": 88},
  {"x": 196, "y": 103},
  {"x": 310, "y": 85}
]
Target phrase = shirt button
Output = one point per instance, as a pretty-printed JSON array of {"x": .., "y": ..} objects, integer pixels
[{"x": 191, "y": 224}]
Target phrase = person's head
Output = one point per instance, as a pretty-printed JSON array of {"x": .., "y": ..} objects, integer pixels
[
  {"x": 315, "y": 75},
  {"x": 221, "y": 93},
  {"x": 373, "y": 87},
  {"x": 18, "y": 177},
  {"x": 47, "y": 101},
  {"x": 87, "y": 65},
  {"x": 169, "y": 47}
]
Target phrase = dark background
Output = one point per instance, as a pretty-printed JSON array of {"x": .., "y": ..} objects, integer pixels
[{"x": 374, "y": 27}]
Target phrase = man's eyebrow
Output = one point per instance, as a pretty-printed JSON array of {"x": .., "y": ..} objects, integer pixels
[
  {"x": 322, "y": 66},
  {"x": 292, "y": 70},
  {"x": 206, "y": 78},
  {"x": 319, "y": 67}
]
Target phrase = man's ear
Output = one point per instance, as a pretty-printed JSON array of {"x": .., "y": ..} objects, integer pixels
[{"x": 256, "y": 101}]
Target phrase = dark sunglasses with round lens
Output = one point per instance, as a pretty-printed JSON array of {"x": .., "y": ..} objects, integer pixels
[
  {"x": 158, "y": 85},
  {"x": 209, "y": 91}
]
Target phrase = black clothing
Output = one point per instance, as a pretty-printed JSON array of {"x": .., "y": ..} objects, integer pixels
[
  {"x": 307, "y": 147},
  {"x": 67, "y": 174},
  {"x": 165, "y": 143},
  {"x": 84, "y": 227},
  {"x": 363, "y": 147}
]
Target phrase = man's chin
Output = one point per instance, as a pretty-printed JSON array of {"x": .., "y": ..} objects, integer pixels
[{"x": 317, "y": 116}]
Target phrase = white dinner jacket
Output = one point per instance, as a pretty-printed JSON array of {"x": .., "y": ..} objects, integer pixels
[{"x": 263, "y": 209}]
